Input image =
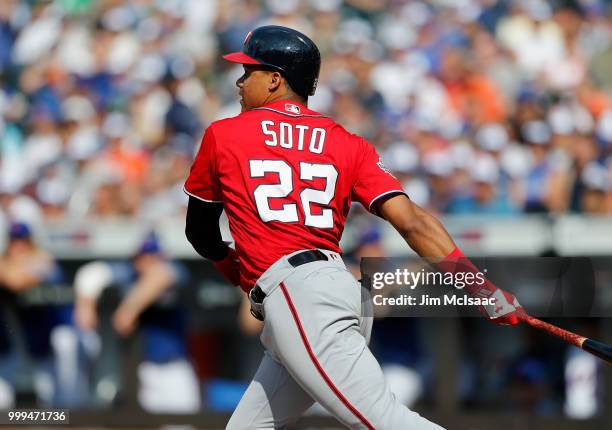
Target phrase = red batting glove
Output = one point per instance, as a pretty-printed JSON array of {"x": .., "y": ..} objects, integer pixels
[
  {"x": 229, "y": 267},
  {"x": 506, "y": 309}
]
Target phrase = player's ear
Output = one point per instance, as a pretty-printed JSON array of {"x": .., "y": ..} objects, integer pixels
[{"x": 275, "y": 81}]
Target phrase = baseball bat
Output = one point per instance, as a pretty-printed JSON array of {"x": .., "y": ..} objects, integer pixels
[{"x": 598, "y": 349}]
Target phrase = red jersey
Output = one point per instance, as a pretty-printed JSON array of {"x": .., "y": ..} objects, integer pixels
[{"x": 286, "y": 176}]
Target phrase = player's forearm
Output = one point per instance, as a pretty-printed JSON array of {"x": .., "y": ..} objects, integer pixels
[
  {"x": 148, "y": 289},
  {"x": 421, "y": 230},
  {"x": 86, "y": 313},
  {"x": 18, "y": 280},
  {"x": 429, "y": 238}
]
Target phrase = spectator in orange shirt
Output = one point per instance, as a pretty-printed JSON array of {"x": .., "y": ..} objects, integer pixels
[
  {"x": 471, "y": 94},
  {"x": 130, "y": 161}
]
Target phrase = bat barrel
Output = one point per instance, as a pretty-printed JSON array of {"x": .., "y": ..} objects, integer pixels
[{"x": 598, "y": 349}]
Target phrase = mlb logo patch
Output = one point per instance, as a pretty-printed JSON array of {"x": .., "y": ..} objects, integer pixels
[
  {"x": 292, "y": 108},
  {"x": 246, "y": 39}
]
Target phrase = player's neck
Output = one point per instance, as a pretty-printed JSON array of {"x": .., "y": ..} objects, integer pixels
[{"x": 287, "y": 97}]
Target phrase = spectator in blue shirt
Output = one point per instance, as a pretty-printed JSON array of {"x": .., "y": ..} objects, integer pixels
[{"x": 486, "y": 197}]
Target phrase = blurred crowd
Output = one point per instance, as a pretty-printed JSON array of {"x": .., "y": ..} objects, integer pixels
[{"x": 494, "y": 107}]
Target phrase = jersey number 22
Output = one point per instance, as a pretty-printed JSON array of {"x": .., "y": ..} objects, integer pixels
[{"x": 308, "y": 196}]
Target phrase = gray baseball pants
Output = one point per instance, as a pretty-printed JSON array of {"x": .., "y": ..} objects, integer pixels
[{"x": 316, "y": 350}]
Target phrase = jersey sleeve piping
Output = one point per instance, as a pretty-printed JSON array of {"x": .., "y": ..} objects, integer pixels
[{"x": 385, "y": 194}]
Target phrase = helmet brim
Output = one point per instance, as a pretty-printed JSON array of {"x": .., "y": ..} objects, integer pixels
[{"x": 241, "y": 58}]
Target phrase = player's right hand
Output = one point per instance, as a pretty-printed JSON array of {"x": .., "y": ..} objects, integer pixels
[
  {"x": 506, "y": 309},
  {"x": 229, "y": 267}
]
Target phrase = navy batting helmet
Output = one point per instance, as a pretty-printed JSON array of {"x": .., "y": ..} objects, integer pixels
[{"x": 285, "y": 50}]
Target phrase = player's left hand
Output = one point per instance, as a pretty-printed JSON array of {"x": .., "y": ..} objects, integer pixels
[
  {"x": 506, "y": 309},
  {"x": 229, "y": 267}
]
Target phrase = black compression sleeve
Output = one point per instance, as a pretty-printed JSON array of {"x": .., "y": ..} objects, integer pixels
[{"x": 202, "y": 229}]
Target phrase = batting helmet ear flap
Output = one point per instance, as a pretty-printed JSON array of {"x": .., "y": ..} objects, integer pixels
[{"x": 286, "y": 50}]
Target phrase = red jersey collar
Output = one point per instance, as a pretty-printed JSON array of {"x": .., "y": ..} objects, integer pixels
[{"x": 290, "y": 108}]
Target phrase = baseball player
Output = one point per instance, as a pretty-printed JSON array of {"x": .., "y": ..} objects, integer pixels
[
  {"x": 286, "y": 176},
  {"x": 167, "y": 382}
]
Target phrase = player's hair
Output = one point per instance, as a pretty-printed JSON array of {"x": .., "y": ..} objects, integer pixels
[{"x": 293, "y": 93}]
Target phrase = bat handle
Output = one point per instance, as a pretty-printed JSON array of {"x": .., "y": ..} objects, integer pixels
[
  {"x": 594, "y": 347},
  {"x": 567, "y": 336}
]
